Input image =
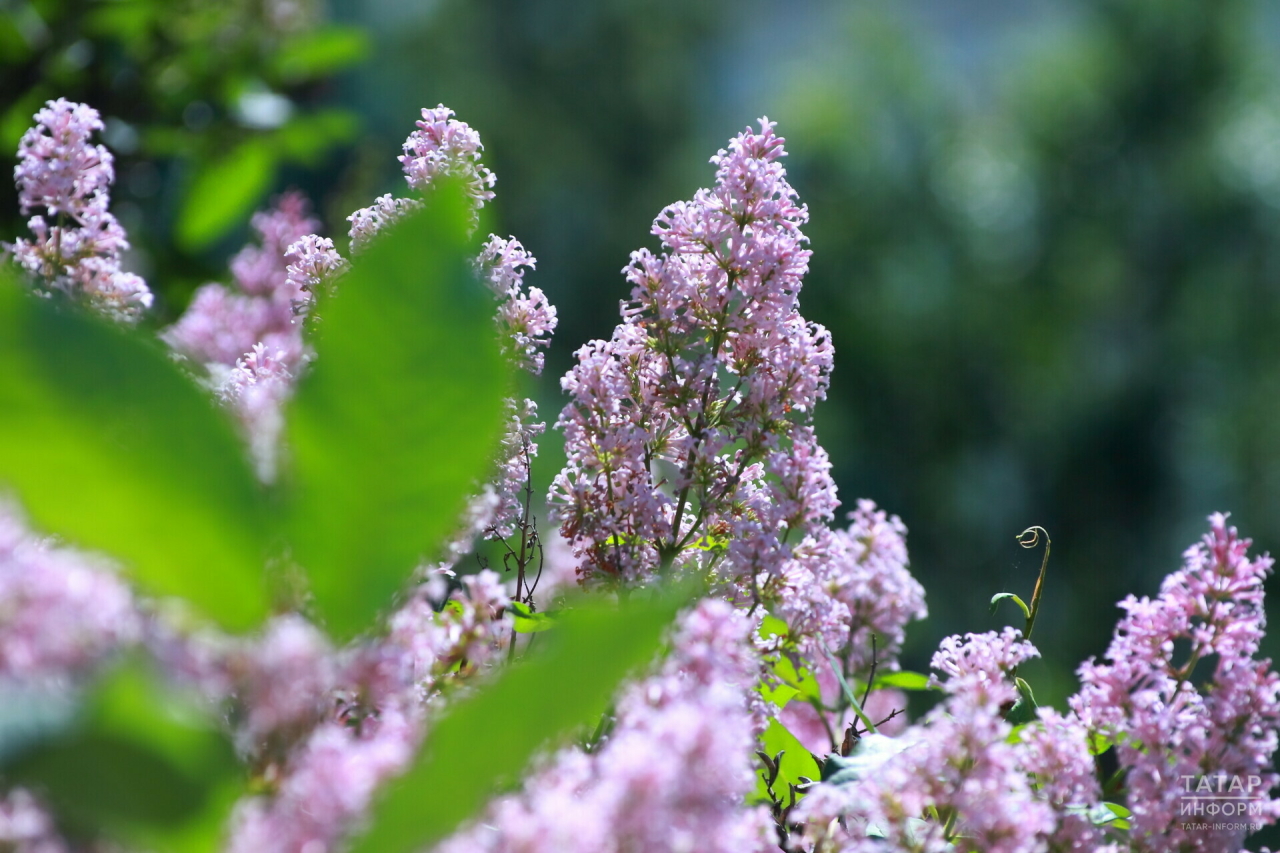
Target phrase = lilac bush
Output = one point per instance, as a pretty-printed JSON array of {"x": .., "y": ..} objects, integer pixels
[{"x": 691, "y": 458}]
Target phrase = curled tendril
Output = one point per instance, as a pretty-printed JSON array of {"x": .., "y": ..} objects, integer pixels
[{"x": 1030, "y": 538}]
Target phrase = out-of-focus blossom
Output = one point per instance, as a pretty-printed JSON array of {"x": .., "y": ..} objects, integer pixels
[
  {"x": 61, "y": 611},
  {"x": 25, "y": 827},
  {"x": 223, "y": 324},
  {"x": 255, "y": 390}
]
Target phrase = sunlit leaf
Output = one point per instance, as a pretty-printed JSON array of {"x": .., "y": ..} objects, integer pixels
[
  {"x": 796, "y": 762},
  {"x": 105, "y": 442},
  {"x": 902, "y": 680},
  {"x": 1009, "y": 596},
  {"x": 528, "y": 621},
  {"x": 801, "y": 679},
  {"x": 224, "y": 193},
  {"x": 397, "y": 420},
  {"x": 490, "y": 736},
  {"x": 779, "y": 695},
  {"x": 1023, "y": 709}
]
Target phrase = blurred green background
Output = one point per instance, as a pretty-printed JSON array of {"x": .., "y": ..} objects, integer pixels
[{"x": 1044, "y": 233}]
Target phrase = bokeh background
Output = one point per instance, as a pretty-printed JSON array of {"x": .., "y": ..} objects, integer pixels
[{"x": 1044, "y": 233}]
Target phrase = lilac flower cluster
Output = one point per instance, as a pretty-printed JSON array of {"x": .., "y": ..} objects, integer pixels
[
  {"x": 319, "y": 727},
  {"x": 687, "y": 433},
  {"x": 223, "y": 324},
  {"x": 443, "y": 147},
  {"x": 78, "y": 243},
  {"x": 958, "y": 777},
  {"x": 61, "y": 611},
  {"x": 1184, "y": 696}
]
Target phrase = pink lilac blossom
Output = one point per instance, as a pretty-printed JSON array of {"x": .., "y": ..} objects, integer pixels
[
  {"x": 222, "y": 324},
  {"x": 958, "y": 763},
  {"x": 980, "y": 664},
  {"x": 526, "y": 318},
  {"x": 25, "y": 826},
  {"x": 712, "y": 354},
  {"x": 312, "y": 264},
  {"x": 375, "y": 718},
  {"x": 444, "y": 146},
  {"x": 280, "y": 683},
  {"x": 1170, "y": 732},
  {"x": 688, "y": 433},
  {"x": 326, "y": 785},
  {"x": 255, "y": 390},
  {"x": 1054, "y": 753},
  {"x": 77, "y": 249},
  {"x": 671, "y": 776},
  {"x": 871, "y": 576},
  {"x": 367, "y": 222},
  {"x": 61, "y": 611}
]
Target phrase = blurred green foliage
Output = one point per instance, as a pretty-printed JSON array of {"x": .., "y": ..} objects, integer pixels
[
  {"x": 110, "y": 444},
  {"x": 208, "y": 107},
  {"x": 141, "y": 763}
]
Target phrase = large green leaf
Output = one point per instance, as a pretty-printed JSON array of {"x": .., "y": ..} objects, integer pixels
[
  {"x": 399, "y": 417},
  {"x": 106, "y": 443},
  {"x": 142, "y": 766},
  {"x": 490, "y": 736}
]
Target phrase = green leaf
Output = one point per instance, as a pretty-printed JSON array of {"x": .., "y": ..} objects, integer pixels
[
  {"x": 1099, "y": 743},
  {"x": 224, "y": 192},
  {"x": 398, "y": 418},
  {"x": 1118, "y": 810},
  {"x": 902, "y": 680},
  {"x": 801, "y": 679},
  {"x": 490, "y": 736},
  {"x": 779, "y": 695},
  {"x": 1024, "y": 709},
  {"x": 711, "y": 543},
  {"x": 796, "y": 761},
  {"x": 1001, "y": 596},
  {"x": 528, "y": 621},
  {"x": 108, "y": 444},
  {"x": 1111, "y": 815},
  {"x": 142, "y": 766},
  {"x": 319, "y": 52},
  {"x": 772, "y": 626}
]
